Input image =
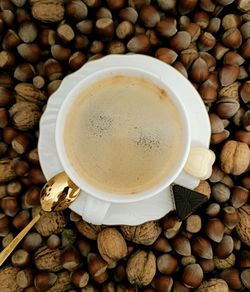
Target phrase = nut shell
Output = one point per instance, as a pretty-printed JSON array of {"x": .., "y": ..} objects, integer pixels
[
  {"x": 215, "y": 285},
  {"x": 234, "y": 157},
  {"x": 48, "y": 259},
  {"x": 243, "y": 227},
  {"x": 8, "y": 279},
  {"x": 28, "y": 92},
  {"x": 7, "y": 172},
  {"x": 145, "y": 234},
  {"x": 50, "y": 222},
  {"x": 48, "y": 10},
  {"x": 111, "y": 245},
  {"x": 141, "y": 268}
]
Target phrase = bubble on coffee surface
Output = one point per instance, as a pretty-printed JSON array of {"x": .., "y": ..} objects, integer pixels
[{"x": 120, "y": 133}]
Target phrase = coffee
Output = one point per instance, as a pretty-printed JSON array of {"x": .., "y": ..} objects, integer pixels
[{"x": 123, "y": 134}]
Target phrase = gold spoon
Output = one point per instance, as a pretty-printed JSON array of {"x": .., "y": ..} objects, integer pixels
[{"x": 56, "y": 195}]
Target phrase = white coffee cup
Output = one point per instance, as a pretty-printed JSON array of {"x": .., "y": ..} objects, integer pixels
[{"x": 196, "y": 161}]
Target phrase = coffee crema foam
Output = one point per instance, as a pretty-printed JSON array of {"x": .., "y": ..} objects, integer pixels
[{"x": 123, "y": 134}]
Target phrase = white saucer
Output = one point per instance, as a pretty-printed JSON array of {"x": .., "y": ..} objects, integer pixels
[{"x": 129, "y": 213}]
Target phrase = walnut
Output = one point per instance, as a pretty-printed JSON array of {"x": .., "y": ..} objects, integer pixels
[
  {"x": 146, "y": 233},
  {"x": 88, "y": 230},
  {"x": 111, "y": 245},
  {"x": 62, "y": 283},
  {"x": 231, "y": 90},
  {"x": 226, "y": 263},
  {"x": 141, "y": 268},
  {"x": 50, "y": 222},
  {"x": 203, "y": 188},
  {"x": 48, "y": 10},
  {"x": 28, "y": 92},
  {"x": 235, "y": 157},
  {"x": 48, "y": 259},
  {"x": 8, "y": 280},
  {"x": 7, "y": 172},
  {"x": 25, "y": 115},
  {"x": 215, "y": 285},
  {"x": 243, "y": 227}
]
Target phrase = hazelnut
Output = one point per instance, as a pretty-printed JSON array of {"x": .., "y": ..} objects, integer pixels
[
  {"x": 232, "y": 38},
  {"x": 243, "y": 136},
  {"x": 184, "y": 22},
  {"x": 233, "y": 58},
  {"x": 206, "y": 41},
  {"x": 124, "y": 29},
  {"x": 243, "y": 5},
  {"x": 24, "y": 72},
  {"x": 225, "y": 247},
  {"x": 116, "y": 47},
  {"x": 47, "y": 37},
  {"x": 162, "y": 283},
  {"x": 166, "y": 27},
  {"x": 188, "y": 56},
  {"x": 139, "y": 44},
  {"x": 181, "y": 245},
  {"x": 29, "y": 52},
  {"x": 60, "y": 53},
  {"x": 202, "y": 247},
  {"x": 201, "y": 18},
  {"x": 180, "y": 41},
  {"x": 53, "y": 241},
  {"x": 244, "y": 29},
  {"x": 44, "y": 280},
  {"x": 231, "y": 21},
  {"x": 7, "y": 60},
  {"x": 4, "y": 225},
  {"x": 38, "y": 81},
  {"x": 162, "y": 245},
  {"x": 214, "y": 229},
  {"x": 141, "y": 268},
  {"x": 228, "y": 74},
  {"x": 32, "y": 197},
  {"x": 24, "y": 278},
  {"x": 214, "y": 23},
  {"x": 77, "y": 60},
  {"x": 207, "y": 92},
  {"x": 149, "y": 16},
  {"x": 88, "y": 230},
  {"x": 103, "y": 12},
  {"x": 111, "y": 245},
  {"x": 105, "y": 28},
  {"x": 70, "y": 259},
  {"x": 171, "y": 226},
  {"x": 180, "y": 67},
  {"x": 120, "y": 273},
  {"x": 185, "y": 7},
  {"x": 21, "y": 219},
  {"x": 129, "y": 14},
  {"x": 232, "y": 277},
  {"x": 234, "y": 157},
  {"x": 199, "y": 70},
  {"x": 244, "y": 276},
  {"x": 219, "y": 137},
  {"x": 167, "y": 264},
  {"x": 96, "y": 265},
  {"x": 239, "y": 196},
  {"x": 76, "y": 10},
  {"x": 207, "y": 265},
  {"x": 230, "y": 217},
  {"x": 65, "y": 32},
  {"x": 220, "y": 192},
  {"x": 27, "y": 31},
  {"x": 85, "y": 26},
  {"x": 80, "y": 278},
  {"x": 138, "y": 4},
  {"x": 10, "y": 206},
  {"x": 219, "y": 51},
  {"x": 192, "y": 276},
  {"x": 193, "y": 223},
  {"x": 10, "y": 40},
  {"x": 216, "y": 123},
  {"x": 245, "y": 92},
  {"x": 20, "y": 258},
  {"x": 6, "y": 97},
  {"x": 145, "y": 234},
  {"x": 84, "y": 247}
]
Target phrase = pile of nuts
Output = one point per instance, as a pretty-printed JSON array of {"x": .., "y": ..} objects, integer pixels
[{"x": 208, "y": 41}]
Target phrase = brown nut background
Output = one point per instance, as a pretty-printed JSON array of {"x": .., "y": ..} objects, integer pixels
[{"x": 41, "y": 42}]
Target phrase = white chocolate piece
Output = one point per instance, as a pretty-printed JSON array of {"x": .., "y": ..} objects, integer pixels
[{"x": 199, "y": 162}]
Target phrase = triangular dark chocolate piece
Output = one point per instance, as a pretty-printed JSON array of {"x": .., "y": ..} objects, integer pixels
[{"x": 186, "y": 201}]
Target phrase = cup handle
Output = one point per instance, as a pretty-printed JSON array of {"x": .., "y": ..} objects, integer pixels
[
  {"x": 94, "y": 210},
  {"x": 198, "y": 167}
]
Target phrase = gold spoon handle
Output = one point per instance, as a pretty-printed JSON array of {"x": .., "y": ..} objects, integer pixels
[{"x": 9, "y": 248}]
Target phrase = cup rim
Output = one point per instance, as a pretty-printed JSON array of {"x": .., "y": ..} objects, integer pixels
[{"x": 59, "y": 133}]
